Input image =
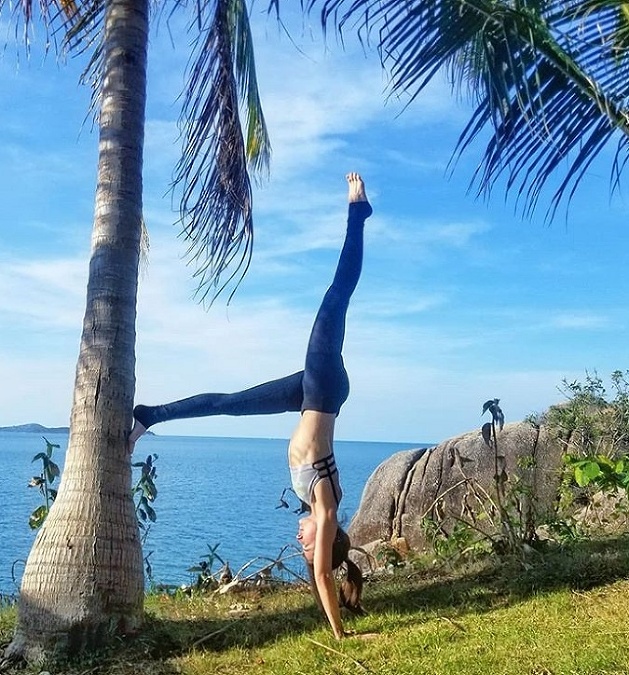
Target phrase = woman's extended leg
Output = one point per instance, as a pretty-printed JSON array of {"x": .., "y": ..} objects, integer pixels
[
  {"x": 276, "y": 396},
  {"x": 323, "y": 385},
  {"x": 326, "y": 385}
]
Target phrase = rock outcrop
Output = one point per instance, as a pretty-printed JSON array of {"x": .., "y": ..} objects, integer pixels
[{"x": 446, "y": 481}]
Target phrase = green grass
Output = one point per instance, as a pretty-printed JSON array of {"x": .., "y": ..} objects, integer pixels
[{"x": 565, "y": 613}]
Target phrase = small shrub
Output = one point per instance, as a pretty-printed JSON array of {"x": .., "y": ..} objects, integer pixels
[
  {"x": 43, "y": 482},
  {"x": 502, "y": 520},
  {"x": 593, "y": 427}
]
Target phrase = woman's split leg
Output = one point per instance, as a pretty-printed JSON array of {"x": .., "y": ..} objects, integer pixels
[
  {"x": 325, "y": 381},
  {"x": 276, "y": 396}
]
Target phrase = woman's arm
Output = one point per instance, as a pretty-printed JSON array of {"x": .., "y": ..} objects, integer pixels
[
  {"x": 313, "y": 587},
  {"x": 324, "y": 509}
]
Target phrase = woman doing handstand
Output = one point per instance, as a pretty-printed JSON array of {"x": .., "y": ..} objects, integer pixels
[{"x": 318, "y": 391}]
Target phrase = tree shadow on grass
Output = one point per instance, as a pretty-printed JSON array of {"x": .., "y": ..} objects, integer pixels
[
  {"x": 255, "y": 630},
  {"x": 581, "y": 565},
  {"x": 164, "y": 639},
  {"x": 477, "y": 589}
]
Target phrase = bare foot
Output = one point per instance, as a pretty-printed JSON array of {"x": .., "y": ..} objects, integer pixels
[
  {"x": 356, "y": 188},
  {"x": 135, "y": 434},
  {"x": 139, "y": 429}
]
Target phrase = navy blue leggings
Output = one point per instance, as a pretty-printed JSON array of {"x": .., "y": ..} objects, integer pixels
[{"x": 322, "y": 385}]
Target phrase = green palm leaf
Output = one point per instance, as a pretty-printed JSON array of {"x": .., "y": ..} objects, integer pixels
[
  {"x": 549, "y": 79},
  {"x": 218, "y": 150},
  {"x": 213, "y": 171}
]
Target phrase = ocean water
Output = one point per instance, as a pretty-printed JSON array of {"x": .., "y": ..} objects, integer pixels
[{"x": 211, "y": 491}]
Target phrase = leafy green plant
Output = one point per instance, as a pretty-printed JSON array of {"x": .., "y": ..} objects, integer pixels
[
  {"x": 145, "y": 493},
  {"x": 490, "y": 437},
  {"x": 462, "y": 542},
  {"x": 206, "y": 576},
  {"x": 501, "y": 520},
  {"x": 593, "y": 427},
  {"x": 564, "y": 530},
  {"x": 512, "y": 501},
  {"x": 606, "y": 473},
  {"x": 593, "y": 422},
  {"x": 43, "y": 482}
]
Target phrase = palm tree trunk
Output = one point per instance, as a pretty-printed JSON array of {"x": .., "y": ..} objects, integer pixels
[{"x": 83, "y": 581}]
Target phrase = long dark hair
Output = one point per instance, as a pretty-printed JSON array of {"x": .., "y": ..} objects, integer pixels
[{"x": 351, "y": 588}]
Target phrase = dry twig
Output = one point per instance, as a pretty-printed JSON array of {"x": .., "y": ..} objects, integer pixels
[{"x": 335, "y": 651}]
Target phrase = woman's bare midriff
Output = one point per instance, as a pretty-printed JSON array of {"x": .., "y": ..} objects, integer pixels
[{"x": 312, "y": 439}]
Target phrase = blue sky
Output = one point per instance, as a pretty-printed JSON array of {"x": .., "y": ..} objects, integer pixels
[{"x": 460, "y": 300}]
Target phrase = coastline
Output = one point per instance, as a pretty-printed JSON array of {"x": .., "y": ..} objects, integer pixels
[{"x": 34, "y": 428}]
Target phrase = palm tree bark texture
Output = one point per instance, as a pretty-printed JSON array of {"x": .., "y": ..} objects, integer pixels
[
  {"x": 84, "y": 579},
  {"x": 84, "y": 582}
]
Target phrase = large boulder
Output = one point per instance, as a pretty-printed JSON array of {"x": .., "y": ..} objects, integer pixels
[{"x": 454, "y": 479}]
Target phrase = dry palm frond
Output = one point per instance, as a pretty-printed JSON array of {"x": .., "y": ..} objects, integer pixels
[{"x": 216, "y": 207}]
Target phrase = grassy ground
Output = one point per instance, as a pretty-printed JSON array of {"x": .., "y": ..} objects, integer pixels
[{"x": 565, "y": 613}]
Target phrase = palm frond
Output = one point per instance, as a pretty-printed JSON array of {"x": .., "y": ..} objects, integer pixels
[
  {"x": 84, "y": 34},
  {"x": 70, "y": 25},
  {"x": 557, "y": 113},
  {"x": 549, "y": 78},
  {"x": 213, "y": 171},
  {"x": 258, "y": 148},
  {"x": 54, "y": 15}
]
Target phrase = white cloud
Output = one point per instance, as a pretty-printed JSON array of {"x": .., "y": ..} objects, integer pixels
[
  {"x": 427, "y": 341},
  {"x": 37, "y": 387},
  {"x": 420, "y": 234},
  {"x": 520, "y": 317},
  {"x": 384, "y": 306},
  {"x": 580, "y": 320},
  {"x": 47, "y": 294}
]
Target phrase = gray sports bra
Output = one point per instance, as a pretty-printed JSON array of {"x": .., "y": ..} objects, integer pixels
[{"x": 306, "y": 476}]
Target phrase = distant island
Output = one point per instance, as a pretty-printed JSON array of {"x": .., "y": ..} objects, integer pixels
[{"x": 34, "y": 428}]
